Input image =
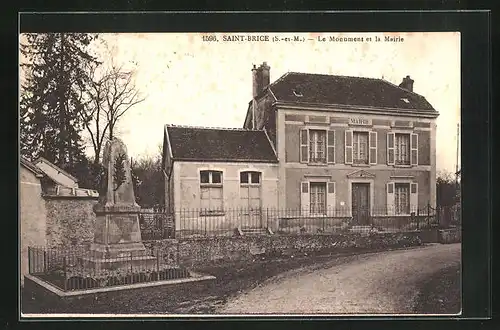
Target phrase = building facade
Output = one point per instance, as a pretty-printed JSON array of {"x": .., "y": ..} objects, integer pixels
[
  {"x": 51, "y": 213},
  {"x": 32, "y": 212},
  {"x": 218, "y": 179},
  {"x": 347, "y": 146}
]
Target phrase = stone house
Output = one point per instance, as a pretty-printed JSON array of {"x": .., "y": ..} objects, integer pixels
[
  {"x": 220, "y": 178},
  {"x": 363, "y": 147}
]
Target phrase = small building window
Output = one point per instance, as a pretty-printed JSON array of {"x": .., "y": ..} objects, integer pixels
[
  {"x": 211, "y": 197},
  {"x": 360, "y": 147},
  {"x": 317, "y": 146},
  {"x": 402, "y": 198},
  {"x": 402, "y": 149},
  {"x": 318, "y": 197},
  {"x": 250, "y": 177}
]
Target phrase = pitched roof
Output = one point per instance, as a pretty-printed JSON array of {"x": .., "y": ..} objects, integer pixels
[
  {"x": 219, "y": 144},
  {"x": 57, "y": 168},
  {"x": 345, "y": 90},
  {"x": 31, "y": 167}
]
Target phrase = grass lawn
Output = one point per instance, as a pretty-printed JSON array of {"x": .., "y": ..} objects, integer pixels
[{"x": 441, "y": 293}]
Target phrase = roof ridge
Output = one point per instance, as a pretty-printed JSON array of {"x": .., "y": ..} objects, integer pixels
[
  {"x": 54, "y": 166},
  {"x": 332, "y": 75},
  {"x": 404, "y": 89},
  {"x": 213, "y": 128}
]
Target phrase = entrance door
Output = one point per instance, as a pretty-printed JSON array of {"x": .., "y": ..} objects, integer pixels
[
  {"x": 250, "y": 199},
  {"x": 361, "y": 203}
]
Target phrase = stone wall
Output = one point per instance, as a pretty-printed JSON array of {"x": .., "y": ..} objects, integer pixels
[
  {"x": 199, "y": 252},
  {"x": 70, "y": 220},
  {"x": 451, "y": 235}
]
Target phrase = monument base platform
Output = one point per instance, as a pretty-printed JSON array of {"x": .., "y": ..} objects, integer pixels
[
  {"x": 118, "y": 250},
  {"x": 134, "y": 263}
]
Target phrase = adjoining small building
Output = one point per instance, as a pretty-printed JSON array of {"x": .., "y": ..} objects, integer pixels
[
  {"x": 32, "y": 211},
  {"x": 54, "y": 211},
  {"x": 218, "y": 179}
]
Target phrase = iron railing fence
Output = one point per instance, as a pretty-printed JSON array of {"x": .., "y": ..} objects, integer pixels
[
  {"x": 156, "y": 223},
  {"x": 78, "y": 268},
  {"x": 227, "y": 222}
]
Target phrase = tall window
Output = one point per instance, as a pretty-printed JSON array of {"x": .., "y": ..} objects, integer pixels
[
  {"x": 402, "y": 198},
  {"x": 402, "y": 149},
  {"x": 250, "y": 190},
  {"x": 360, "y": 147},
  {"x": 211, "y": 192},
  {"x": 317, "y": 146},
  {"x": 318, "y": 198}
]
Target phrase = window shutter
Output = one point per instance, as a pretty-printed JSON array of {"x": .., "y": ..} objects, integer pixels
[
  {"x": 330, "y": 146},
  {"x": 390, "y": 148},
  {"x": 414, "y": 149},
  {"x": 304, "y": 146},
  {"x": 413, "y": 197},
  {"x": 373, "y": 148},
  {"x": 348, "y": 147},
  {"x": 331, "y": 199},
  {"x": 304, "y": 198},
  {"x": 390, "y": 198}
]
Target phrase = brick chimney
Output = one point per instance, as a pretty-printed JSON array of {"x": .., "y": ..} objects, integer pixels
[
  {"x": 260, "y": 78},
  {"x": 407, "y": 83}
]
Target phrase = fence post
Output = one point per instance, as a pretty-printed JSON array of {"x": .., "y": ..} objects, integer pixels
[
  {"x": 412, "y": 217},
  {"x": 44, "y": 261},
  {"x": 131, "y": 259},
  {"x": 157, "y": 264},
  {"x": 429, "y": 215},
  {"x": 418, "y": 218},
  {"x": 29, "y": 259},
  {"x": 64, "y": 270}
]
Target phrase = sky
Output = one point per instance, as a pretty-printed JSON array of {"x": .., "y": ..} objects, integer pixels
[{"x": 188, "y": 81}]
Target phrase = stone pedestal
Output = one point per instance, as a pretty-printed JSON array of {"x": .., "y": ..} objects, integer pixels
[{"x": 117, "y": 240}]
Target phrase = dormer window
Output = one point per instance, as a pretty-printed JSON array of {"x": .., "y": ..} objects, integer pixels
[
  {"x": 297, "y": 93},
  {"x": 404, "y": 99}
]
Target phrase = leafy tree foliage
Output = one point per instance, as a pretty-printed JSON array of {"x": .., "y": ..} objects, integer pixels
[
  {"x": 447, "y": 189},
  {"x": 51, "y": 98},
  {"x": 149, "y": 183}
]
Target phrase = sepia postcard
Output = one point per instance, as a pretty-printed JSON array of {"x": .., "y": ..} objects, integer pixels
[{"x": 240, "y": 174}]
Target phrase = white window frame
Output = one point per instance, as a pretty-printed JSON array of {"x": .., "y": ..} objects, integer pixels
[
  {"x": 412, "y": 148},
  {"x": 250, "y": 184},
  {"x": 325, "y": 209},
  {"x": 328, "y": 133},
  {"x": 315, "y": 145},
  {"x": 397, "y": 148},
  {"x": 210, "y": 184},
  {"x": 372, "y": 144},
  {"x": 396, "y": 202},
  {"x": 413, "y": 206},
  {"x": 356, "y": 136}
]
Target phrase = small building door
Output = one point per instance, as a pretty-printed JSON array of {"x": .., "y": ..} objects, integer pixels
[
  {"x": 251, "y": 214},
  {"x": 361, "y": 203}
]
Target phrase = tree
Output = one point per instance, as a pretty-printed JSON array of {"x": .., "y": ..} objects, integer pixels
[
  {"x": 149, "y": 182},
  {"x": 110, "y": 96},
  {"x": 446, "y": 189},
  {"x": 50, "y": 106}
]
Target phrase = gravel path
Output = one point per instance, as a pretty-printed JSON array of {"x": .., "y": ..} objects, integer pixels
[{"x": 379, "y": 283}]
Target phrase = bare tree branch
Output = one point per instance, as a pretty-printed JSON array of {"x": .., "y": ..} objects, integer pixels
[{"x": 112, "y": 94}]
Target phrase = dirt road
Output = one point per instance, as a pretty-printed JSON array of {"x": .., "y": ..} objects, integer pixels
[{"x": 379, "y": 283}]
